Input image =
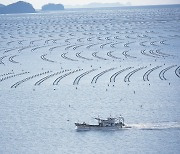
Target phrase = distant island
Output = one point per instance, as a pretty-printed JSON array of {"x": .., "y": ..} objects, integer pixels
[
  {"x": 18, "y": 7},
  {"x": 1, "y": 5},
  {"x": 52, "y": 7}
]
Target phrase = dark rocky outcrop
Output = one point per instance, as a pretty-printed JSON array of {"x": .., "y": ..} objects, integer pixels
[
  {"x": 18, "y": 7},
  {"x": 52, "y": 7}
]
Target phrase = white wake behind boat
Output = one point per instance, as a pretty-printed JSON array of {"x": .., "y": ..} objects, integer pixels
[{"x": 111, "y": 123}]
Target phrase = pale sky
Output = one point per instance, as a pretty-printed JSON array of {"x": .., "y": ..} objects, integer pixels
[{"x": 37, "y": 4}]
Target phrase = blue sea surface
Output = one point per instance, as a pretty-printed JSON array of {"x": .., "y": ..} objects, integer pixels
[{"x": 72, "y": 66}]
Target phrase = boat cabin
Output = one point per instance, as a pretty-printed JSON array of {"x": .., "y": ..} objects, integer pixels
[{"x": 108, "y": 122}]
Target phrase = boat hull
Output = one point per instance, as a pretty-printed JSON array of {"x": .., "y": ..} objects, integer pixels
[{"x": 87, "y": 128}]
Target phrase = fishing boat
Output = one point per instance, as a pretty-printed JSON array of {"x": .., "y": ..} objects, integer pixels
[{"x": 111, "y": 123}]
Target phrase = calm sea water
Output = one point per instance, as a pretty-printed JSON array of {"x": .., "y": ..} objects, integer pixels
[{"x": 61, "y": 68}]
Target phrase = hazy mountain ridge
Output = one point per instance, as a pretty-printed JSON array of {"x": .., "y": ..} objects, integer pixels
[{"x": 98, "y": 5}]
